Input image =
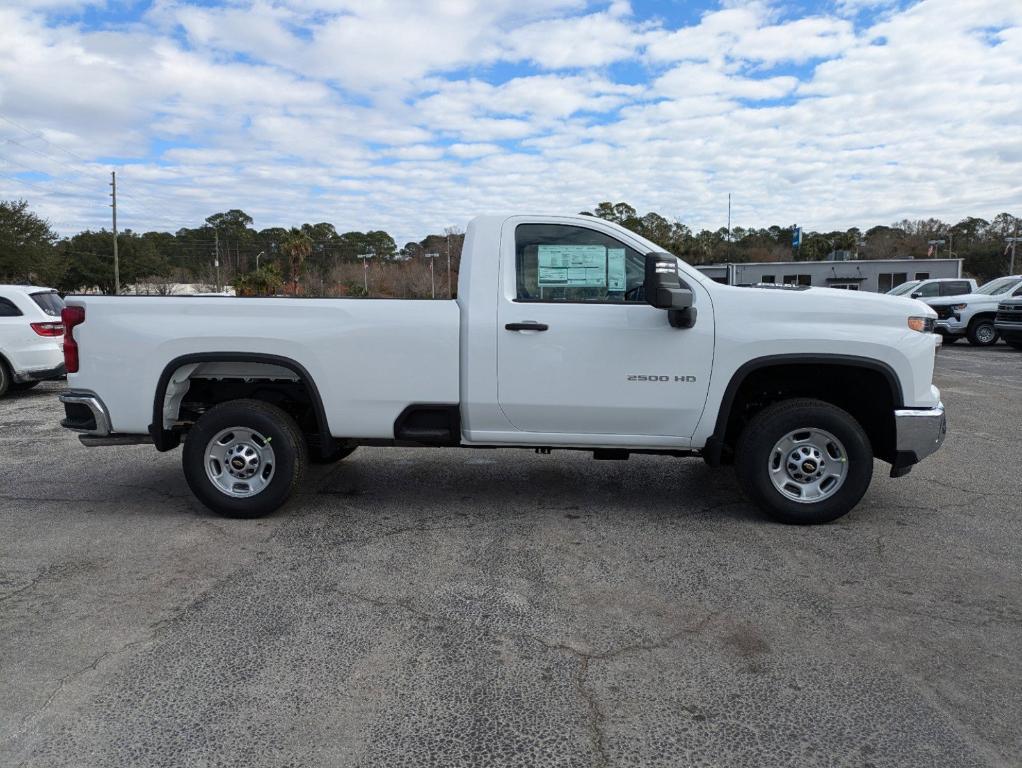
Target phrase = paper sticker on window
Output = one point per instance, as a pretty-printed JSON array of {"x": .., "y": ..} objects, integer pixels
[
  {"x": 616, "y": 280},
  {"x": 578, "y": 266}
]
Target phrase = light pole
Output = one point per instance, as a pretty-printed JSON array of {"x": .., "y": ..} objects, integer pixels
[
  {"x": 1012, "y": 241},
  {"x": 365, "y": 269},
  {"x": 261, "y": 253},
  {"x": 432, "y": 261}
]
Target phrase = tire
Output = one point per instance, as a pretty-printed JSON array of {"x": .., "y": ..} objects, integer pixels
[
  {"x": 982, "y": 333},
  {"x": 268, "y": 451},
  {"x": 23, "y": 386},
  {"x": 5, "y": 378},
  {"x": 838, "y": 441},
  {"x": 344, "y": 449}
]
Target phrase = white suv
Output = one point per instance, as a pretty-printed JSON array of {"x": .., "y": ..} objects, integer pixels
[{"x": 31, "y": 336}]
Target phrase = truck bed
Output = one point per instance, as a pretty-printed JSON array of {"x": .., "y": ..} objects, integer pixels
[{"x": 370, "y": 358}]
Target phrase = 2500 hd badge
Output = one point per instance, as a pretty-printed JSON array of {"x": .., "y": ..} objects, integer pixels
[{"x": 641, "y": 377}]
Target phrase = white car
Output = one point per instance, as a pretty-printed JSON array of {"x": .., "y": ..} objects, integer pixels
[
  {"x": 972, "y": 315},
  {"x": 31, "y": 337},
  {"x": 569, "y": 332},
  {"x": 934, "y": 287}
]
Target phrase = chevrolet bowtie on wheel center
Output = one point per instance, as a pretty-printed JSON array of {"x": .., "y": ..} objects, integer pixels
[{"x": 569, "y": 332}]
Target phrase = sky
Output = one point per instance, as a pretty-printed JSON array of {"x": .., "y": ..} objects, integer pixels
[{"x": 412, "y": 116}]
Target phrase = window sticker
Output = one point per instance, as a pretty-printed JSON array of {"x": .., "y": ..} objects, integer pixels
[
  {"x": 578, "y": 266},
  {"x": 616, "y": 269}
]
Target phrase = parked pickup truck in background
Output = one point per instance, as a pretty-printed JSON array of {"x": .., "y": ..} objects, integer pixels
[
  {"x": 1008, "y": 322},
  {"x": 569, "y": 332},
  {"x": 971, "y": 315}
]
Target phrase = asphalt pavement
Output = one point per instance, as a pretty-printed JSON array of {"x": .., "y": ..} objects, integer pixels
[{"x": 446, "y": 607}]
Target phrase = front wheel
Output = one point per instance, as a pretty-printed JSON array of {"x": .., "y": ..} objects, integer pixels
[
  {"x": 982, "y": 333},
  {"x": 804, "y": 461},
  {"x": 244, "y": 458}
]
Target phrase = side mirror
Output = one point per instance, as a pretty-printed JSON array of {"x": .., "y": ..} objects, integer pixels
[
  {"x": 916, "y": 295},
  {"x": 664, "y": 290}
]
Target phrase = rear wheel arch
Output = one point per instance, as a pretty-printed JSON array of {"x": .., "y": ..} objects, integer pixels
[
  {"x": 166, "y": 439},
  {"x": 777, "y": 377}
]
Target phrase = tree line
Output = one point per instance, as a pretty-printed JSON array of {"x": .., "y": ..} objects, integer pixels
[{"x": 315, "y": 259}]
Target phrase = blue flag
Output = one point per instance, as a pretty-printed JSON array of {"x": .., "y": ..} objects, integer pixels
[{"x": 796, "y": 237}]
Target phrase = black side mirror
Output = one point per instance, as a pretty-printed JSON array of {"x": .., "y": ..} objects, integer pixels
[
  {"x": 663, "y": 289},
  {"x": 916, "y": 295}
]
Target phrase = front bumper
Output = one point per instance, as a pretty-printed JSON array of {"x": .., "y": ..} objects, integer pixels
[
  {"x": 953, "y": 326},
  {"x": 920, "y": 433},
  {"x": 1011, "y": 331}
]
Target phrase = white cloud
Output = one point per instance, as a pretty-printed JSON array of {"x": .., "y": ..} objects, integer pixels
[{"x": 410, "y": 116}]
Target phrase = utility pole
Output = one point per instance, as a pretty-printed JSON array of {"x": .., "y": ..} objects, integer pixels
[
  {"x": 216, "y": 257},
  {"x": 432, "y": 260},
  {"x": 113, "y": 205},
  {"x": 1014, "y": 242},
  {"x": 365, "y": 269},
  {"x": 449, "y": 293},
  {"x": 729, "y": 226}
]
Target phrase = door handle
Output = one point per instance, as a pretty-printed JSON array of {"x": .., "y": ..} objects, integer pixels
[{"x": 526, "y": 326}]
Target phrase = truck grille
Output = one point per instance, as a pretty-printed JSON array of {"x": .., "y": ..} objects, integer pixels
[
  {"x": 1011, "y": 313},
  {"x": 943, "y": 313}
]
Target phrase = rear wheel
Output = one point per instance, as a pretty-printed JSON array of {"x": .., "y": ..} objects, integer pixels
[
  {"x": 244, "y": 458},
  {"x": 5, "y": 378},
  {"x": 804, "y": 461},
  {"x": 982, "y": 333}
]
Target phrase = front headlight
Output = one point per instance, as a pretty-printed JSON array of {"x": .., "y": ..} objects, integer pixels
[
  {"x": 921, "y": 324},
  {"x": 957, "y": 307}
]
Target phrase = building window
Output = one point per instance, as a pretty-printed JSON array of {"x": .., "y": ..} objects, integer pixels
[
  {"x": 922, "y": 275},
  {"x": 888, "y": 280},
  {"x": 767, "y": 279},
  {"x": 798, "y": 280},
  {"x": 846, "y": 286}
]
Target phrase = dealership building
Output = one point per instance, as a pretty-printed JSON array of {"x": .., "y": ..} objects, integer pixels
[{"x": 877, "y": 275}]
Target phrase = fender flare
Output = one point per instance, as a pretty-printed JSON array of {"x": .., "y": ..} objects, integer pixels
[
  {"x": 165, "y": 440},
  {"x": 715, "y": 443}
]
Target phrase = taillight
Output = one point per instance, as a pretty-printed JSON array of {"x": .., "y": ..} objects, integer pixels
[
  {"x": 48, "y": 329},
  {"x": 71, "y": 316}
]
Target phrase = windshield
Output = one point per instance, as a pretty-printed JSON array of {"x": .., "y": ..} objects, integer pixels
[
  {"x": 999, "y": 286},
  {"x": 49, "y": 302},
  {"x": 903, "y": 288}
]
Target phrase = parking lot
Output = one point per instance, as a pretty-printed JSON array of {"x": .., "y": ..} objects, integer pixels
[{"x": 432, "y": 607}]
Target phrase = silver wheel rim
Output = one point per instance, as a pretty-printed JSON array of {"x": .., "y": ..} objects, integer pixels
[
  {"x": 985, "y": 333},
  {"x": 808, "y": 465},
  {"x": 240, "y": 462}
]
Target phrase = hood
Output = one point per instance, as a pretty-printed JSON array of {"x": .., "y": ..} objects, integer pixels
[
  {"x": 842, "y": 300},
  {"x": 965, "y": 298}
]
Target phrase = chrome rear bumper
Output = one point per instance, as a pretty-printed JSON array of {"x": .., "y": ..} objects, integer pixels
[{"x": 85, "y": 413}]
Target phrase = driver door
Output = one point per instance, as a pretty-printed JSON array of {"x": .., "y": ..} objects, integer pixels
[{"x": 578, "y": 351}]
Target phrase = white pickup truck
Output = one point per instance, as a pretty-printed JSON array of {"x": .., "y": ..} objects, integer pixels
[{"x": 568, "y": 332}]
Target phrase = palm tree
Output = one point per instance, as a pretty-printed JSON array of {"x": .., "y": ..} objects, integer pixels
[{"x": 295, "y": 246}]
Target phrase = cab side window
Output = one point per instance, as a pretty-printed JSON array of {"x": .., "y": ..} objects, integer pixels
[
  {"x": 563, "y": 263},
  {"x": 953, "y": 288},
  {"x": 928, "y": 290},
  {"x": 7, "y": 308}
]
